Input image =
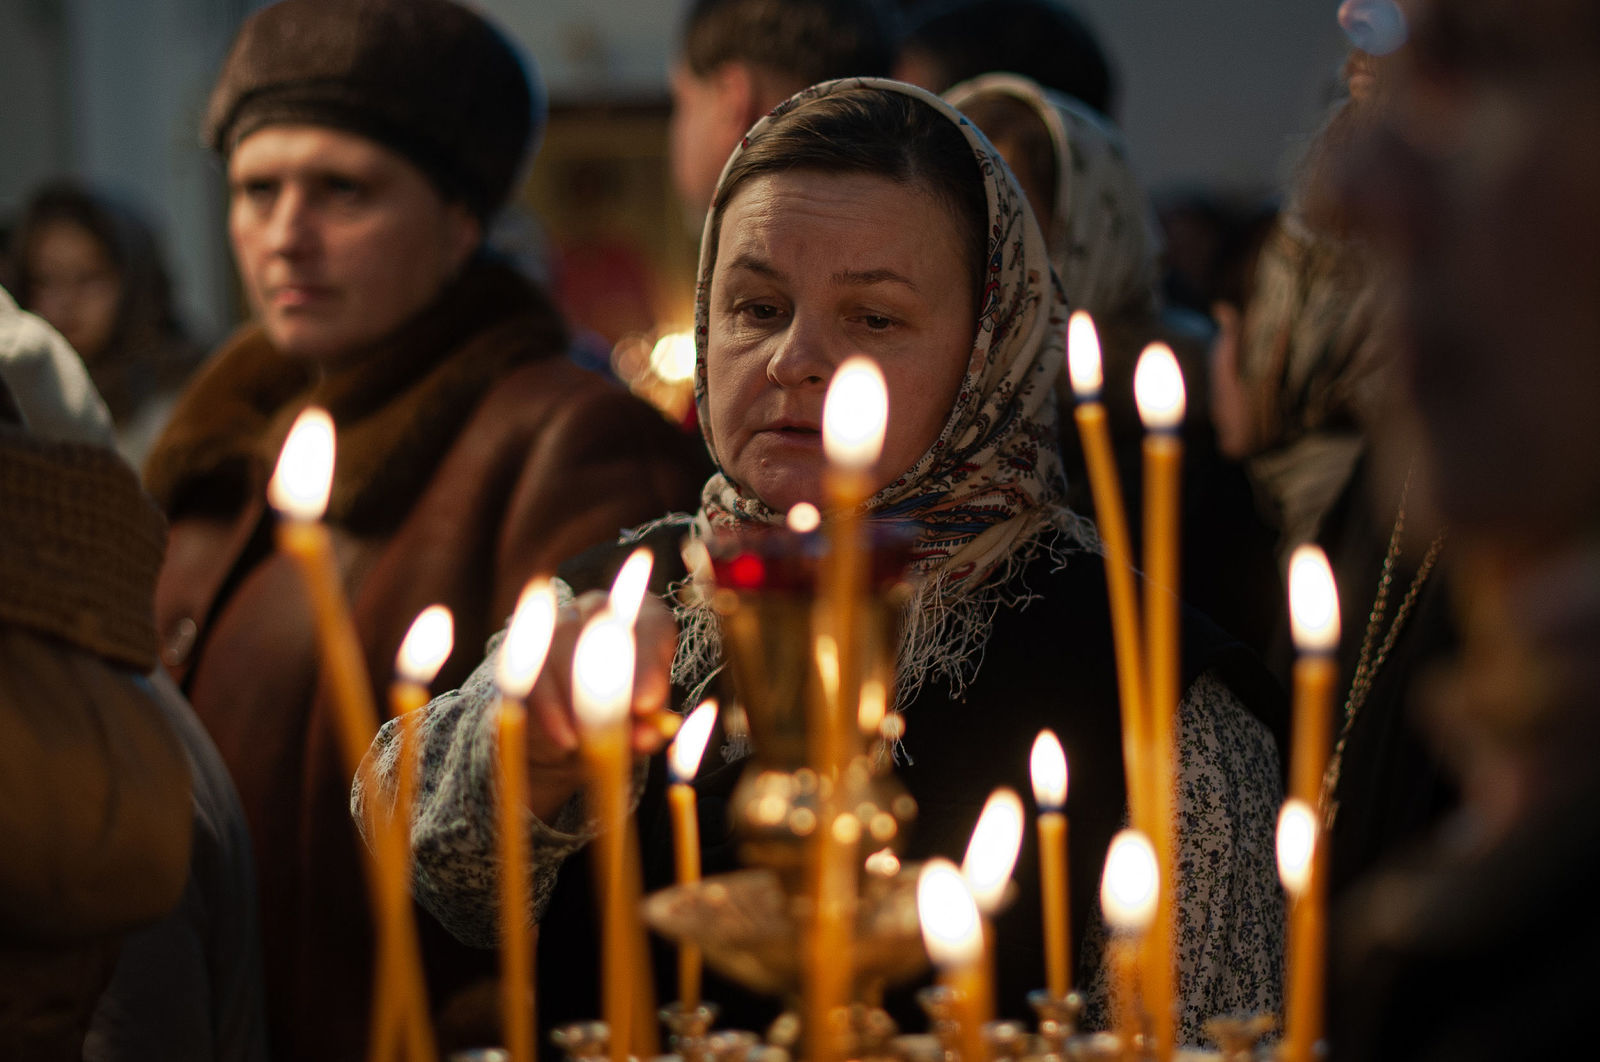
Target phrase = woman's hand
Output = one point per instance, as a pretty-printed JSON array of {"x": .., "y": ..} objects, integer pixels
[{"x": 555, "y": 770}]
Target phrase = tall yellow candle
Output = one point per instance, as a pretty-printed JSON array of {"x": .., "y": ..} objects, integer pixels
[
  {"x": 1314, "y": 623},
  {"x": 952, "y": 931},
  {"x": 1302, "y": 867},
  {"x": 299, "y": 492},
  {"x": 1130, "y": 893},
  {"x": 522, "y": 655},
  {"x": 1158, "y": 389},
  {"x": 684, "y": 760},
  {"x": 1084, "y": 370},
  {"x": 991, "y": 857},
  {"x": 1048, "y": 767},
  {"x": 602, "y": 695}
]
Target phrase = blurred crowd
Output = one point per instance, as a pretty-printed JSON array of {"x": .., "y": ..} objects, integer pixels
[{"x": 1393, "y": 357}]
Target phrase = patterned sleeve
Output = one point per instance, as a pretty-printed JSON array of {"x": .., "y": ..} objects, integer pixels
[
  {"x": 453, "y": 824},
  {"x": 1230, "y": 924},
  {"x": 1230, "y": 918}
]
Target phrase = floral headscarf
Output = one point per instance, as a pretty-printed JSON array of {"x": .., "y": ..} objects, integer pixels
[
  {"x": 1103, "y": 238},
  {"x": 991, "y": 486}
]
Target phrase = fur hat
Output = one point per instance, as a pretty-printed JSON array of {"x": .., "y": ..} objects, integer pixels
[{"x": 429, "y": 79}]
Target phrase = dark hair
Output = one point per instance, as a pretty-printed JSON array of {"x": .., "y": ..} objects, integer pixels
[
  {"x": 1042, "y": 40},
  {"x": 879, "y": 132},
  {"x": 806, "y": 40}
]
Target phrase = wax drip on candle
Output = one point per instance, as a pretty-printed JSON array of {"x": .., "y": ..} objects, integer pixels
[
  {"x": 1083, "y": 356},
  {"x": 1048, "y": 769},
  {"x": 426, "y": 646},
  {"x": 304, "y": 476},
  {"x": 602, "y": 668},
  {"x": 689, "y": 747},
  {"x": 1158, "y": 388},
  {"x": 1297, "y": 845},
  {"x": 1313, "y": 601},
  {"x": 992, "y": 851},
  {"x": 527, "y": 641},
  {"x": 948, "y": 914},
  {"x": 1131, "y": 883},
  {"x": 854, "y": 415}
]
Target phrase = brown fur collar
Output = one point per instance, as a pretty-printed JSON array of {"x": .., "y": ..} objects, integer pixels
[{"x": 396, "y": 409}]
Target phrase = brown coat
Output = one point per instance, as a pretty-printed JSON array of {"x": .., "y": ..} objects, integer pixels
[{"x": 460, "y": 475}]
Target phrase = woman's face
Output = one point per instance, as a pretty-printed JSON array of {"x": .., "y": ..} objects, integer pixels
[
  {"x": 813, "y": 268},
  {"x": 74, "y": 286}
]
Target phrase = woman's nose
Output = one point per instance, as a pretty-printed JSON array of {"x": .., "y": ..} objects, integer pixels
[
  {"x": 289, "y": 229},
  {"x": 803, "y": 356}
]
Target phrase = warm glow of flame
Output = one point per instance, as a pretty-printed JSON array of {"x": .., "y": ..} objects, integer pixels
[
  {"x": 874, "y": 705},
  {"x": 690, "y": 744},
  {"x": 304, "y": 476},
  {"x": 427, "y": 645},
  {"x": 855, "y": 414},
  {"x": 804, "y": 518},
  {"x": 883, "y": 863},
  {"x": 1131, "y": 884},
  {"x": 672, "y": 358},
  {"x": 992, "y": 852},
  {"x": 629, "y": 587},
  {"x": 1083, "y": 355},
  {"x": 1313, "y": 601},
  {"x": 827, "y": 653},
  {"x": 949, "y": 916},
  {"x": 527, "y": 641},
  {"x": 602, "y": 672},
  {"x": 1297, "y": 844},
  {"x": 1158, "y": 388},
  {"x": 1048, "y": 768}
]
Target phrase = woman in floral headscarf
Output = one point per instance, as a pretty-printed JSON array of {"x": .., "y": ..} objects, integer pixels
[{"x": 867, "y": 216}]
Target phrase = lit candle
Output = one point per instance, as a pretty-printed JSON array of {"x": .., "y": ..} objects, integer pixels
[
  {"x": 522, "y": 656},
  {"x": 602, "y": 667},
  {"x": 1049, "y": 772},
  {"x": 1314, "y": 623},
  {"x": 952, "y": 931},
  {"x": 684, "y": 761},
  {"x": 854, "y": 417},
  {"x": 990, "y": 859},
  {"x": 1130, "y": 891},
  {"x": 402, "y": 993},
  {"x": 299, "y": 492},
  {"x": 1158, "y": 390},
  {"x": 630, "y": 585},
  {"x": 1302, "y": 868},
  {"x": 1083, "y": 364}
]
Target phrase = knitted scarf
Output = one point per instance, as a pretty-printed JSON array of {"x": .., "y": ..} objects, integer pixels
[{"x": 986, "y": 497}]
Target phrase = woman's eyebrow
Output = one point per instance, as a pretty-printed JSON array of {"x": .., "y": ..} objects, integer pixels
[
  {"x": 862, "y": 277},
  {"x": 751, "y": 264}
]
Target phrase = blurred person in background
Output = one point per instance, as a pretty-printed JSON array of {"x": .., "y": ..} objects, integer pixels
[
  {"x": 1045, "y": 41},
  {"x": 1104, "y": 244},
  {"x": 1476, "y": 186},
  {"x": 93, "y": 268},
  {"x": 741, "y": 58},
  {"x": 364, "y": 169}
]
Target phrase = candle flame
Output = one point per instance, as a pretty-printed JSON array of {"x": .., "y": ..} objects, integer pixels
[
  {"x": 992, "y": 851},
  {"x": 1048, "y": 768},
  {"x": 803, "y": 518},
  {"x": 527, "y": 642},
  {"x": 1297, "y": 845},
  {"x": 854, "y": 414},
  {"x": 427, "y": 645},
  {"x": 1083, "y": 356},
  {"x": 1313, "y": 601},
  {"x": 690, "y": 744},
  {"x": 1131, "y": 884},
  {"x": 629, "y": 587},
  {"x": 883, "y": 863},
  {"x": 304, "y": 476},
  {"x": 1158, "y": 388},
  {"x": 949, "y": 916},
  {"x": 602, "y": 672},
  {"x": 673, "y": 356},
  {"x": 874, "y": 705}
]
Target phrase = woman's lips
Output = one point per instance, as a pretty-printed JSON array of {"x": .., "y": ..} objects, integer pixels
[{"x": 295, "y": 296}]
